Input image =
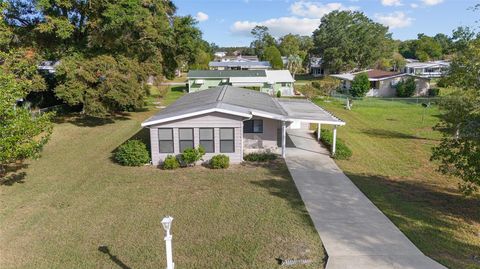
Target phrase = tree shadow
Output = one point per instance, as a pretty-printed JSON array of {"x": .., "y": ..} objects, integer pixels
[
  {"x": 105, "y": 250},
  {"x": 12, "y": 174},
  {"x": 424, "y": 212},
  {"x": 88, "y": 121},
  {"x": 382, "y": 133},
  {"x": 143, "y": 135}
]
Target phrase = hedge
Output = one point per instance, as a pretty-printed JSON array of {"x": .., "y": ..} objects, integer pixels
[
  {"x": 132, "y": 153},
  {"x": 342, "y": 152}
]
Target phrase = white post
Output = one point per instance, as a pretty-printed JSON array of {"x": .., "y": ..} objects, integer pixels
[
  {"x": 284, "y": 138},
  {"x": 168, "y": 247},
  {"x": 319, "y": 131},
  {"x": 334, "y": 144}
]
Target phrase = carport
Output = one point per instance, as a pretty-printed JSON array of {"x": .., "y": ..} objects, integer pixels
[{"x": 304, "y": 111}]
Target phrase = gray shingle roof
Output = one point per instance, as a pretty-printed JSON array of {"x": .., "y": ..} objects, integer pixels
[
  {"x": 242, "y": 102},
  {"x": 265, "y": 64},
  {"x": 225, "y": 73}
]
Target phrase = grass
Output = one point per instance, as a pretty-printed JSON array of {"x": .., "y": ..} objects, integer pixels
[
  {"x": 391, "y": 147},
  {"x": 75, "y": 208}
]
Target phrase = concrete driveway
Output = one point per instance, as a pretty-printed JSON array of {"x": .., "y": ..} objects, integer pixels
[{"x": 354, "y": 232}]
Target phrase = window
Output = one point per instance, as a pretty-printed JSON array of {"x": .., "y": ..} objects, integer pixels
[
  {"x": 165, "y": 140},
  {"x": 206, "y": 139},
  {"x": 227, "y": 141},
  {"x": 253, "y": 126},
  {"x": 185, "y": 136},
  {"x": 284, "y": 84}
]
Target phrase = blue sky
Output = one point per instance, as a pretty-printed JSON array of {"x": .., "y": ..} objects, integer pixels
[{"x": 228, "y": 22}]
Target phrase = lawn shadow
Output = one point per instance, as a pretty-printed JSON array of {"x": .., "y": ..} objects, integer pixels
[
  {"x": 382, "y": 133},
  {"x": 12, "y": 174},
  {"x": 88, "y": 121},
  {"x": 105, "y": 250},
  {"x": 410, "y": 202},
  {"x": 143, "y": 135}
]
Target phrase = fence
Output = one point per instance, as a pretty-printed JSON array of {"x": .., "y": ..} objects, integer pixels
[
  {"x": 41, "y": 111},
  {"x": 412, "y": 100}
]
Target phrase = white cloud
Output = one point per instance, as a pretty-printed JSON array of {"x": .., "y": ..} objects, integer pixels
[
  {"x": 432, "y": 2},
  {"x": 279, "y": 26},
  {"x": 201, "y": 16},
  {"x": 391, "y": 2},
  {"x": 315, "y": 9},
  {"x": 394, "y": 20},
  {"x": 413, "y": 5}
]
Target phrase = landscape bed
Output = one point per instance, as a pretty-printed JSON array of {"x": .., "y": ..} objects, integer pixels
[
  {"x": 391, "y": 142},
  {"x": 76, "y": 208}
]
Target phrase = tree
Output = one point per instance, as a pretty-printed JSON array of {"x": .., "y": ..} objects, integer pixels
[
  {"x": 294, "y": 64},
  {"x": 348, "y": 40},
  {"x": 458, "y": 153},
  {"x": 360, "y": 85},
  {"x": 262, "y": 40},
  {"x": 272, "y": 54},
  {"x": 21, "y": 134},
  {"x": 103, "y": 84},
  {"x": 290, "y": 45},
  {"x": 424, "y": 48}
]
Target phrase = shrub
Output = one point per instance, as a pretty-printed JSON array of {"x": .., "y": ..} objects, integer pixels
[
  {"x": 406, "y": 88},
  {"x": 220, "y": 161},
  {"x": 190, "y": 156},
  {"x": 279, "y": 94},
  {"x": 433, "y": 91},
  {"x": 132, "y": 153},
  {"x": 260, "y": 157},
  {"x": 171, "y": 163},
  {"x": 342, "y": 152},
  {"x": 360, "y": 85}
]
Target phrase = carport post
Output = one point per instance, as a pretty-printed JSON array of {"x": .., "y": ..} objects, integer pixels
[
  {"x": 334, "y": 142},
  {"x": 284, "y": 138},
  {"x": 319, "y": 129}
]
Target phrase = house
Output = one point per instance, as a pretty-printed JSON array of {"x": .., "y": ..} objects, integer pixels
[
  {"x": 231, "y": 121},
  {"x": 434, "y": 69},
  {"x": 237, "y": 58},
  {"x": 48, "y": 66},
  {"x": 240, "y": 65},
  {"x": 220, "y": 54},
  {"x": 382, "y": 83},
  {"x": 315, "y": 67},
  {"x": 268, "y": 81}
]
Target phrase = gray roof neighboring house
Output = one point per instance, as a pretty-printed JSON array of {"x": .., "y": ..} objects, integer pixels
[
  {"x": 225, "y": 73},
  {"x": 241, "y": 102}
]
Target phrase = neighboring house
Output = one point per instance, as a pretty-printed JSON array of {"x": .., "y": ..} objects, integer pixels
[
  {"x": 48, "y": 66},
  {"x": 220, "y": 54},
  {"x": 237, "y": 58},
  {"x": 240, "y": 65},
  {"x": 231, "y": 121},
  {"x": 433, "y": 69},
  {"x": 316, "y": 68},
  {"x": 268, "y": 81},
  {"x": 383, "y": 83}
]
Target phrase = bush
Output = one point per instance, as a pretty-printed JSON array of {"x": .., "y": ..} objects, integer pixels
[
  {"x": 360, "y": 85},
  {"x": 260, "y": 157},
  {"x": 279, "y": 94},
  {"x": 220, "y": 161},
  {"x": 433, "y": 91},
  {"x": 190, "y": 156},
  {"x": 171, "y": 163},
  {"x": 406, "y": 88},
  {"x": 342, "y": 152},
  {"x": 132, "y": 153}
]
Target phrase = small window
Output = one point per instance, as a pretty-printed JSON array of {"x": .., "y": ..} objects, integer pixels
[
  {"x": 227, "y": 140},
  {"x": 165, "y": 140},
  {"x": 253, "y": 126},
  {"x": 284, "y": 84},
  {"x": 185, "y": 136},
  {"x": 206, "y": 139}
]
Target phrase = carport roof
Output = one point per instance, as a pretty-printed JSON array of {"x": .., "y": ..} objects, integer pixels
[{"x": 244, "y": 103}]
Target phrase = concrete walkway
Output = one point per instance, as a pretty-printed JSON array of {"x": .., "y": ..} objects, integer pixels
[{"x": 354, "y": 232}]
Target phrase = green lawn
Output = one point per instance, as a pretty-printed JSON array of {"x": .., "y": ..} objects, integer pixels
[
  {"x": 62, "y": 207},
  {"x": 390, "y": 164}
]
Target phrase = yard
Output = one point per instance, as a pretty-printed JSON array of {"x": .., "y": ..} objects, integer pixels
[
  {"x": 390, "y": 164},
  {"x": 61, "y": 208}
]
